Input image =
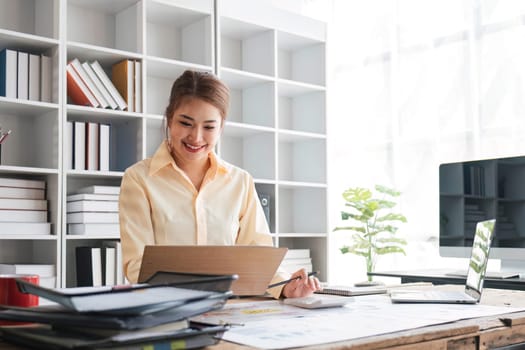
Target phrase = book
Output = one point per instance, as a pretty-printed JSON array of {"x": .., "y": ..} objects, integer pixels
[
  {"x": 69, "y": 150},
  {"x": 92, "y": 217},
  {"x": 92, "y": 144},
  {"x": 22, "y": 75},
  {"x": 43, "y": 270},
  {"x": 88, "y": 267},
  {"x": 99, "y": 189},
  {"x": 25, "y": 228},
  {"x": 8, "y": 73},
  {"x": 79, "y": 148},
  {"x": 22, "y": 193},
  {"x": 109, "y": 85},
  {"x": 297, "y": 254},
  {"x": 104, "y": 133},
  {"x": 108, "y": 266},
  {"x": 23, "y": 183},
  {"x": 119, "y": 272},
  {"x": 88, "y": 82},
  {"x": 137, "y": 90},
  {"x": 23, "y": 215},
  {"x": 77, "y": 90},
  {"x": 122, "y": 76},
  {"x": 134, "y": 299},
  {"x": 34, "y": 77},
  {"x": 92, "y": 206},
  {"x": 110, "y": 102},
  {"x": 46, "y": 78},
  {"x": 23, "y": 204},
  {"x": 92, "y": 197},
  {"x": 351, "y": 290},
  {"x": 93, "y": 229}
]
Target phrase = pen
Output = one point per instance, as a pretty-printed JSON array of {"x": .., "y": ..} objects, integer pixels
[{"x": 313, "y": 273}]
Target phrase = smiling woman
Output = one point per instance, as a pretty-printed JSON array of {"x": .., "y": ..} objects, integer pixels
[{"x": 185, "y": 194}]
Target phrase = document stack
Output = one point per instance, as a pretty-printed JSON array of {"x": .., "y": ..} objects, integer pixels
[
  {"x": 93, "y": 210},
  {"x": 23, "y": 207},
  {"x": 140, "y": 316},
  {"x": 296, "y": 259}
]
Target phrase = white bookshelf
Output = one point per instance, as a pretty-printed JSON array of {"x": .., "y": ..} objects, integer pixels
[
  {"x": 274, "y": 63},
  {"x": 275, "y": 130}
]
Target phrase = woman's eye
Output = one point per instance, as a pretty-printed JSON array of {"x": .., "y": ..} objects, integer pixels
[
  {"x": 185, "y": 123},
  {"x": 209, "y": 127}
]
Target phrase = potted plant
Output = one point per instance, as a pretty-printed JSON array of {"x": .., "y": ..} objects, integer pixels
[{"x": 373, "y": 224}]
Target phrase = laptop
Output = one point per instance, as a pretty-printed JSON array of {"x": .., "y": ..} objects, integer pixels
[
  {"x": 255, "y": 266},
  {"x": 475, "y": 274}
]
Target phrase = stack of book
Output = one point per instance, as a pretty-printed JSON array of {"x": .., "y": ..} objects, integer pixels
[
  {"x": 46, "y": 272},
  {"x": 135, "y": 317},
  {"x": 89, "y": 85},
  {"x": 296, "y": 259},
  {"x": 93, "y": 210},
  {"x": 87, "y": 145},
  {"x": 23, "y": 207},
  {"x": 25, "y": 75}
]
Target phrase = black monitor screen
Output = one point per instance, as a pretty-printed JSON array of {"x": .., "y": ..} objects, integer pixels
[{"x": 479, "y": 190}]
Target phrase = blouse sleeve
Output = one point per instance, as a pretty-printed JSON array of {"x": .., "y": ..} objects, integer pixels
[
  {"x": 254, "y": 230},
  {"x": 136, "y": 229}
]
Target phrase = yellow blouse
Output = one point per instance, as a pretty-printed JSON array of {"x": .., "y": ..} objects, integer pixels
[{"x": 158, "y": 204}]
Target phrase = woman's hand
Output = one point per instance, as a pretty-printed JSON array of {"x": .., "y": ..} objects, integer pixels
[{"x": 302, "y": 287}]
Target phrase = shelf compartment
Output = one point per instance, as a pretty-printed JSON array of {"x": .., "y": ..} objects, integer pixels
[
  {"x": 160, "y": 75},
  {"x": 34, "y": 138},
  {"x": 111, "y": 24},
  {"x": 155, "y": 134},
  {"x": 302, "y": 158},
  {"x": 241, "y": 45},
  {"x": 189, "y": 33},
  {"x": 267, "y": 197},
  {"x": 301, "y": 109},
  {"x": 251, "y": 149},
  {"x": 106, "y": 57},
  {"x": 252, "y": 98},
  {"x": 318, "y": 250},
  {"x": 301, "y": 59},
  {"x": 37, "y": 17},
  {"x": 302, "y": 209},
  {"x": 124, "y": 149}
]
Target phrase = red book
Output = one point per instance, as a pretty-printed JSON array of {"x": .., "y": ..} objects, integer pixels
[{"x": 77, "y": 90}]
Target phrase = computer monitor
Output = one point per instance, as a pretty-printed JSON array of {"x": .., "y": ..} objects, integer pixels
[{"x": 477, "y": 190}]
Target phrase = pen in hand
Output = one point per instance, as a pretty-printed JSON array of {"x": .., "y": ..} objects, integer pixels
[{"x": 313, "y": 273}]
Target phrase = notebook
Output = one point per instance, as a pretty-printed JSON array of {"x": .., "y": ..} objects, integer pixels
[
  {"x": 255, "y": 266},
  {"x": 475, "y": 274},
  {"x": 350, "y": 291}
]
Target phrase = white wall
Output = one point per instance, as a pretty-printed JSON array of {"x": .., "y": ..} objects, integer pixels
[{"x": 413, "y": 84}]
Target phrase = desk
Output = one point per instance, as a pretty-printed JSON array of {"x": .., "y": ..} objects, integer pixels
[
  {"x": 489, "y": 332},
  {"x": 438, "y": 276}
]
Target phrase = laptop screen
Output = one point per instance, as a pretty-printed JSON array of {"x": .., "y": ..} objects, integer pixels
[{"x": 479, "y": 257}]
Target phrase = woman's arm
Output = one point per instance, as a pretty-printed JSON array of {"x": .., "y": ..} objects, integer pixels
[{"x": 136, "y": 228}]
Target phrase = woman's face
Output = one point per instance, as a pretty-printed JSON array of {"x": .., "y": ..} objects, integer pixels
[{"x": 195, "y": 129}]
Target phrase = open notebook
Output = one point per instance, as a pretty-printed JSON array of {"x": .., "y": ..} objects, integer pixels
[{"x": 475, "y": 275}]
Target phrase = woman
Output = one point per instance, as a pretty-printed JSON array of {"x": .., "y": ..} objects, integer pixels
[{"x": 185, "y": 194}]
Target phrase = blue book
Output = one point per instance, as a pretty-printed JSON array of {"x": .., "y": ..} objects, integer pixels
[{"x": 8, "y": 73}]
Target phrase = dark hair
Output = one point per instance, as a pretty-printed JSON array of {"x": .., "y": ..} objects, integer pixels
[{"x": 201, "y": 85}]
